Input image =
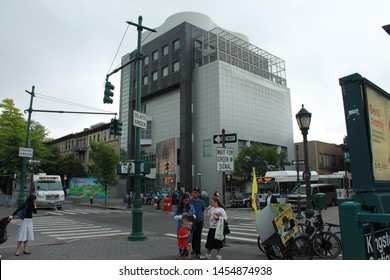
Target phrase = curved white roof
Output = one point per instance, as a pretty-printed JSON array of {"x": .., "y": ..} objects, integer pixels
[{"x": 198, "y": 19}]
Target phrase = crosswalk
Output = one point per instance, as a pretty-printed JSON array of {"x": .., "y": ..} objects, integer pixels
[
  {"x": 65, "y": 229},
  {"x": 241, "y": 225},
  {"x": 84, "y": 211}
]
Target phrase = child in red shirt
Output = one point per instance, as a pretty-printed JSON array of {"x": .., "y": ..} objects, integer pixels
[{"x": 182, "y": 240}]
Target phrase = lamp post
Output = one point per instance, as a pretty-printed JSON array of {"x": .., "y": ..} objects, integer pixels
[
  {"x": 137, "y": 233},
  {"x": 304, "y": 118}
]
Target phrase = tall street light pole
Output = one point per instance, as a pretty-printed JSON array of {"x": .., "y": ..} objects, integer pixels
[
  {"x": 304, "y": 118},
  {"x": 137, "y": 233},
  {"x": 21, "y": 197}
]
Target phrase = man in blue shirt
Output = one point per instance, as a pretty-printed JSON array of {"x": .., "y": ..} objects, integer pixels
[{"x": 199, "y": 212}]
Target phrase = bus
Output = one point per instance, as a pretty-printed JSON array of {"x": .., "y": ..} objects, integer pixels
[
  {"x": 281, "y": 183},
  {"x": 49, "y": 190},
  {"x": 342, "y": 181}
]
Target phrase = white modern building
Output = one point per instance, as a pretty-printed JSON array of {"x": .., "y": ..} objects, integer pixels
[{"x": 198, "y": 79}]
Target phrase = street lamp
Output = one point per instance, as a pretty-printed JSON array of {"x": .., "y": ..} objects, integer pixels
[{"x": 304, "y": 118}]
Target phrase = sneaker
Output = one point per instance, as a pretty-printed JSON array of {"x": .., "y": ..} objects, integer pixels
[
  {"x": 206, "y": 257},
  {"x": 219, "y": 257},
  {"x": 198, "y": 256}
]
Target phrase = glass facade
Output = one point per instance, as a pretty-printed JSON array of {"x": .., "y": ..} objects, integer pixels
[{"x": 219, "y": 44}]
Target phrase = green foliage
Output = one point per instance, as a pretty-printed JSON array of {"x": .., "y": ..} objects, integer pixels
[
  {"x": 12, "y": 135},
  {"x": 260, "y": 157},
  {"x": 103, "y": 168}
]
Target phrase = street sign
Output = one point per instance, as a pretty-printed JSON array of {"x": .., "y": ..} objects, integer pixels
[
  {"x": 25, "y": 152},
  {"x": 128, "y": 168},
  {"x": 300, "y": 162},
  {"x": 225, "y": 159},
  {"x": 229, "y": 138},
  {"x": 139, "y": 120},
  {"x": 34, "y": 161}
]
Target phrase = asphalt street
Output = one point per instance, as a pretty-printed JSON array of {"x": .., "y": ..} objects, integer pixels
[{"x": 114, "y": 243}]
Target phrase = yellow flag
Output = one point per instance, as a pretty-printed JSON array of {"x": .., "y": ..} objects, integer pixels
[{"x": 255, "y": 203}]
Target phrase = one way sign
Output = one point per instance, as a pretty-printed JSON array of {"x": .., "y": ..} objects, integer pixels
[{"x": 229, "y": 138}]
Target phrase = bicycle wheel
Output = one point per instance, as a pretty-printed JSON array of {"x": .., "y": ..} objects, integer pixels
[
  {"x": 327, "y": 245},
  {"x": 301, "y": 248},
  {"x": 273, "y": 252},
  {"x": 260, "y": 245}
]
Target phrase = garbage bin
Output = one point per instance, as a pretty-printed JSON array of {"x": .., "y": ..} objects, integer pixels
[
  {"x": 168, "y": 204},
  {"x": 320, "y": 200}
]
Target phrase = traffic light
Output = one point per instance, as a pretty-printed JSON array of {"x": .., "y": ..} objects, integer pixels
[
  {"x": 118, "y": 128},
  {"x": 108, "y": 93},
  {"x": 115, "y": 127},
  {"x": 166, "y": 167}
]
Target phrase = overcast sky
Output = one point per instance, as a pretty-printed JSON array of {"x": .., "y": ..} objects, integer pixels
[{"x": 65, "y": 49}]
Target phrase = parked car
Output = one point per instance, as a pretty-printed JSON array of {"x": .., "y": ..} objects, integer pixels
[
  {"x": 244, "y": 200},
  {"x": 300, "y": 191}
]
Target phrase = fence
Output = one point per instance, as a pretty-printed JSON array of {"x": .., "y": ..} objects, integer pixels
[{"x": 365, "y": 235}]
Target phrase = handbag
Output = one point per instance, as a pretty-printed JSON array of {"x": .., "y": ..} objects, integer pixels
[
  {"x": 192, "y": 223},
  {"x": 219, "y": 230},
  {"x": 226, "y": 229},
  {"x": 21, "y": 213}
]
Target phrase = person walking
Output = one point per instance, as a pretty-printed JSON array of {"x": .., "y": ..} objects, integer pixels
[
  {"x": 26, "y": 229},
  {"x": 215, "y": 211},
  {"x": 199, "y": 207},
  {"x": 185, "y": 211}
]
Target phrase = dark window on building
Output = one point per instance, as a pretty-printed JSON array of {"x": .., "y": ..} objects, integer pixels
[
  {"x": 146, "y": 60},
  {"x": 164, "y": 71},
  {"x": 145, "y": 80},
  {"x": 154, "y": 76},
  {"x": 176, "y": 44},
  {"x": 176, "y": 66},
  {"x": 155, "y": 55},
  {"x": 165, "y": 50}
]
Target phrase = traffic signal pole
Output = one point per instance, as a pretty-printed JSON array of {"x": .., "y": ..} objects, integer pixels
[{"x": 137, "y": 233}]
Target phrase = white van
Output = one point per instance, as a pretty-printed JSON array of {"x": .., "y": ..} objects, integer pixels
[{"x": 49, "y": 190}]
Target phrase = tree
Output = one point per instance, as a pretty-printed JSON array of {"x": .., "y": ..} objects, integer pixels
[
  {"x": 260, "y": 157},
  {"x": 104, "y": 160},
  {"x": 13, "y": 136},
  {"x": 12, "y": 132}
]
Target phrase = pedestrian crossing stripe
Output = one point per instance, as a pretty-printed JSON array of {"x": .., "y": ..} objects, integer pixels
[
  {"x": 84, "y": 211},
  {"x": 62, "y": 228},
  {"x": 238, "y": 232}
]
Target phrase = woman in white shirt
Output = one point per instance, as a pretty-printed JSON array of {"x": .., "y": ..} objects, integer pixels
[{"x": 215, "y": 211}]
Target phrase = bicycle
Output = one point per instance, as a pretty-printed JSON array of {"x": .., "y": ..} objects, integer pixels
[
  {"x": 325, "y": 243},
  {"x": 296, "y": 248}
]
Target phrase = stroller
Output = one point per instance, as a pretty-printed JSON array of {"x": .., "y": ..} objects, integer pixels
[{"x": 3, "y": 230}]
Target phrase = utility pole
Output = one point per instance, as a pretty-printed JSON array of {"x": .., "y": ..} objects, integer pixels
[
  {"x": 223, "y": 172},
  {"x": 137, "y": 233},
  {"x": 22, "y": 196}
]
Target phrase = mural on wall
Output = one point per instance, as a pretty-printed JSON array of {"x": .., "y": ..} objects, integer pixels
[{"x": 86, "y": 188}]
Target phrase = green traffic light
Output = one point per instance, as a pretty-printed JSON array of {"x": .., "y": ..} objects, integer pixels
[{"x": 108, "y": 93}]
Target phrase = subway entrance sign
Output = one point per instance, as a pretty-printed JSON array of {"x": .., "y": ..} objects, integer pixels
[{"x": 225, "y": 159}]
